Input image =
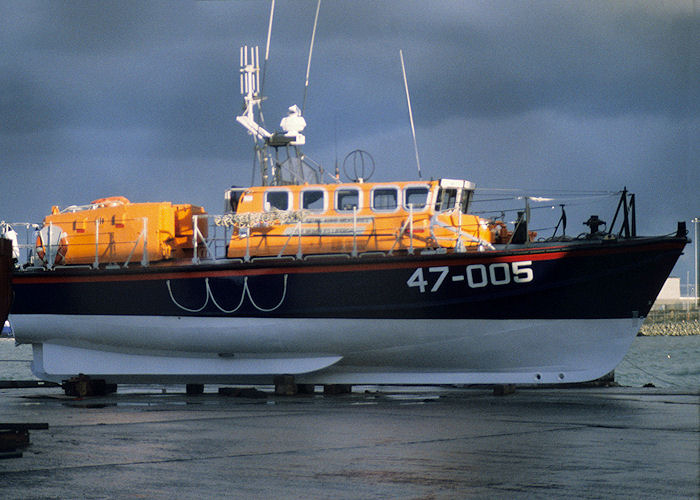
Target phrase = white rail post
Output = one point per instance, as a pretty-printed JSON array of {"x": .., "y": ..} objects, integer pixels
[
  {"x": 195, "y": 238},
  {"x": 246, "y": 257},
  {"x": 299, "y": 252},
  {"x": 459, "y": 244},
  {"x": 47, "y": 252},
  {"x": 354, "y": 231},
  {"x": 410, "y": 228},
  {"x": 144, "y": 233},
  {"x": 96, "y": 264}
]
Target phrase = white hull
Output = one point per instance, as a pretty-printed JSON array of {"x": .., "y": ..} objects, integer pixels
[{"x": 147, "y": 349}]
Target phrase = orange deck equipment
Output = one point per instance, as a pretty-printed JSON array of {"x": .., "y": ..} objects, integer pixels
[{"x": 114, "y": 230}]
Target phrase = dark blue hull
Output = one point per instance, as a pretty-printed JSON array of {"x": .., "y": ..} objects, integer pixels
[{"x": 581, "y": 280}]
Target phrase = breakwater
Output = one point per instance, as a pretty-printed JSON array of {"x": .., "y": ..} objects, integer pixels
[
  {"x": 673, "y": 328},
  {"x": 673, "y": 318}
]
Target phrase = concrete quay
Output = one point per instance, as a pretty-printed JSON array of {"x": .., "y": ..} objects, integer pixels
[{"x": 377, "y": 442}]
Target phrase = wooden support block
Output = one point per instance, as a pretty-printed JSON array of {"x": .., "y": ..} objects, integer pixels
[
  {"x": 20, "y": 427},
  {"x": 194, "y": 389},
  {"x": 284, "y": 385},
  {"x": 22, "y": 384},
  {"x": 10, "y": 454},
  {"x": 82, "y": 386},
  {"x": 306, "y": 388},
  {"x": 10, "y": 440},
  {"x": 245, "y": 392},
  {"x": 335, "y": 389},
  {"x": 503, "y": 389}
]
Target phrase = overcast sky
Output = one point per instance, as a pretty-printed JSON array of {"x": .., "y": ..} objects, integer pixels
[{"x": 139, "y": 99}]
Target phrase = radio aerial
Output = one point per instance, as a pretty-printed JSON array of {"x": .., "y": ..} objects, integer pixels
[{"x": 360, "y": 163}]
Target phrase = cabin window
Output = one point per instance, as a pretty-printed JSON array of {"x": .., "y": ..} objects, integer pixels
[
  {"x": 464, "y": 202},
  {"x": 385, "y": 199},
  {"x": 446, "y": 199},
  {"x": 347, "y": 199},
  {"x": 232, "y": 198},
  {"x": 277, "y": 200},
  {"x": 416, "y": 196},
  {"x": 313, "y": 199}
]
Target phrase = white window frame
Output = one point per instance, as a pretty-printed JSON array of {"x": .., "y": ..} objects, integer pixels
[
  {"x": 315, "y": 210},
  {"x": 386, "y": 210},
  {"x": 348, "y": 188},
  {"x": 266, "y": 204},
  {"x": 404, "y": 202}
]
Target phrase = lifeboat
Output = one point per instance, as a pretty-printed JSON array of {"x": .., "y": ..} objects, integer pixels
[{"x": 331, "y": 283}]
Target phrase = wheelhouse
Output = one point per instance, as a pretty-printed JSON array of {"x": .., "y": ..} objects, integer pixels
[
  {"x": 439, "y": 196},
  {"x": 353, "y": 218}
]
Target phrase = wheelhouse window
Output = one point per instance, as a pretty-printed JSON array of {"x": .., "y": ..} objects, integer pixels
[
  {"x": 277, "y": 200},
  {"x": 347, "y": 199},
  {"x": 385, "y": 199},
  {"x": 446, "y": 199},
  {"x": 313, "y": 199},
  {"x": 231, "y": 199},
  {"x": 465, "y": 201},
  {"x": 416, "y": 196}
]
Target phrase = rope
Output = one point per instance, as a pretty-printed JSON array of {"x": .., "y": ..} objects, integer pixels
[
  {"x": 210, "y": 295},
  {"x": 284, "y": 294},
  {"x": 651, "y": 374},
  {"x": 206, "y": 301},
  {"x": 240, "y": 303},
  {"x": 250, "y": 219}
]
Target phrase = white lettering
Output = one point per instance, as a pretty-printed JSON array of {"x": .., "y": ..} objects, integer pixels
[
  {"x": 443, "y": 270},
  {"x": 417, "y": 279},
  {"x": 506, "y": 273},
  {"x": 483, "y": 278},
  {"x": 478, "y": 275},
  {"x": 521, "y": 274}
]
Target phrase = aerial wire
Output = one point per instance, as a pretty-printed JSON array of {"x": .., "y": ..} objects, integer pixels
[
  {"x": 267, "y": 57},
  {"x": 311, "y": 49},
  {"x": 410, "y": 113}
]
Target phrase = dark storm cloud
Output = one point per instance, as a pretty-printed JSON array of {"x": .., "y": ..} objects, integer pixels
[{"x": 616, "y": 58}]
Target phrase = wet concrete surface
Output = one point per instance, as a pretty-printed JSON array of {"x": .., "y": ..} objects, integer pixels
[{"x": 387, "y": 442}]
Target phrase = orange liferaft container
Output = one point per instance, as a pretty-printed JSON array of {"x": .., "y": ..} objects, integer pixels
[{"x": 114, "y": 230}]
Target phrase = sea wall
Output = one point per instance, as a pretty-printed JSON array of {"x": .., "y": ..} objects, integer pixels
[
  {"x": 682, "y": 327},
  {"x": 673, "y": 317}
]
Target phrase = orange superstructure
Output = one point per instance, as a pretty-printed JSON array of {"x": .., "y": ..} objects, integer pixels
[
  {"x": 114, "y": 230},
  {"x": 353, "y": 217}
]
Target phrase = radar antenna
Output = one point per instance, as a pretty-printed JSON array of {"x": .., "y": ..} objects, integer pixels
[{"x": 275, "y": 170}]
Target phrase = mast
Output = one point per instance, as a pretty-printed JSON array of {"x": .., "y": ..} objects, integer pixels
[
  {"x": 295, "y": 168},
  {"x": 292, "y": 125}
]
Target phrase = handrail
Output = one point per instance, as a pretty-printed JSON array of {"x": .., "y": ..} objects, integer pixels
[
  {"x": 144, "y": 235},
  {"x": 96, "y": 264},
  {"x": 49, "y": 254},
  {"x": 475, "y": 239},
  {"x": 407, "y": 223},
  {"x": 254, "y": 236},
  {"x": 354, "y": 232}
]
